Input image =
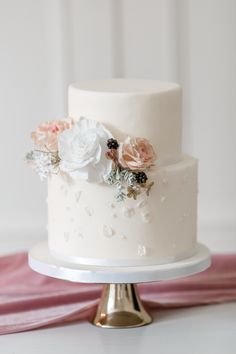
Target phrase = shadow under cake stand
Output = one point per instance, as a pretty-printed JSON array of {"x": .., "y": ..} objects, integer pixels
[{"x": 120, "y": 305}]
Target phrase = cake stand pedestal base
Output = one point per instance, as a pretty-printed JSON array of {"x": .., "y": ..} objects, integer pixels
[{"x": 120, "y": 305}]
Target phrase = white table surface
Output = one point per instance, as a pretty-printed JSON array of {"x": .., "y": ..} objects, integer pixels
[{"x": 200, "y": 330}]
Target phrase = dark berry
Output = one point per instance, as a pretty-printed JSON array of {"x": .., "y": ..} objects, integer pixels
[
  {"x": 141, "y": 177},
  {"x": 112, "y": 144}
]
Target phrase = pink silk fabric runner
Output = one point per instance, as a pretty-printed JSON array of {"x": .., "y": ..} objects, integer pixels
[{"x": 29, "y": 300}]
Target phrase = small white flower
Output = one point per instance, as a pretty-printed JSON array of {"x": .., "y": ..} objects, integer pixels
[
  {"x": 43, "y": 162},
  {"x": 142, "y": 251},
  {"x": 128, "y": 211},
  {"x": 82, "y": 151}
]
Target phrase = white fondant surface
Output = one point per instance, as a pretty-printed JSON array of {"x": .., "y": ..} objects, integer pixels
[
  {"x": 141, "y": 108},
  {"x": 95, "y": 229}
]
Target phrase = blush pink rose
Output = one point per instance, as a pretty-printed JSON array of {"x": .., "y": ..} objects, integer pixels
[
  {"x": 46, "y": 135},
  {"x": 136, "y": 154}
]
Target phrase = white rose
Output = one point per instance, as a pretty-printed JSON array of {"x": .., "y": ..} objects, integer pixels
[{"x": 82, "y": 151}]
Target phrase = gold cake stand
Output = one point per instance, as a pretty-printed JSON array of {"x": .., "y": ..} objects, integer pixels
[{"x": 120, "y": 305}]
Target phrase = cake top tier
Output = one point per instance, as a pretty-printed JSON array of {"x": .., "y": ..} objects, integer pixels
[
  {"x": 126, "y": 86},
  {"x": 141, "y": 108}
]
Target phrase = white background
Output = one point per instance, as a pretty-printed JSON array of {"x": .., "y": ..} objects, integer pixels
[{"x": 46, "y": 44}]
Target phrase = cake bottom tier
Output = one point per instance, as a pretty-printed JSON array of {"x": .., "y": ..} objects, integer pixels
[{"x": 87, "y": 226}]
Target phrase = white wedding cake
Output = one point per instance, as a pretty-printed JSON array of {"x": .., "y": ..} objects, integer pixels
[{"x": 120, "y": 190}]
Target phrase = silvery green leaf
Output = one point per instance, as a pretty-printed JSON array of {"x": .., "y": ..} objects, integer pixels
[
  {"x": 43, "y": 162},
  {"x": 30, "y": 156},
  {"x": 120, "y": 195},
  {"x": 111, "y": 177}
]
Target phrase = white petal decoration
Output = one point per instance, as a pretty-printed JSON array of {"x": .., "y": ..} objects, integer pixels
[
  {"x": 163, "y": 199},
  {"x": 89, "y": 211},
  {"x": 82, "y": 151},
  {"x": 142, "y": 203},
  {"x": 142, "y": 251},
  {"x": 128, "y": 211},
  {"x": 108, "y": 231},
  {"x": 111, "y": 205},
  {"x": 77, "y": 196},
  {"x": 147, "y": 216},
  {"x": 164, "y": 181},
  {"x": 79, "y": 234}
]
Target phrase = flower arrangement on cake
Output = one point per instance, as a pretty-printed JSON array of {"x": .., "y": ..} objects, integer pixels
[{"x": 86, "y": 150}]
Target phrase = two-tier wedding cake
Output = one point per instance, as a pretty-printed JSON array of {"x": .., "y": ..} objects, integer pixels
[{"x": 120, "y": 190}]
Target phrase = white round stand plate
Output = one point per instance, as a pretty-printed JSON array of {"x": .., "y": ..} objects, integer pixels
[{"x": 41, "y": 260}]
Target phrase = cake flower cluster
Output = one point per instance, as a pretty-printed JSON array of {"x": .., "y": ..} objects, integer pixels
[
  {"x": 131, "y": 161},
  {"x": 44, "y": 158},
  {"x": 86, "y": 150}
]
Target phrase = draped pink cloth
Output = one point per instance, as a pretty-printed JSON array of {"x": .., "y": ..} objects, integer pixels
[{"x": 29, "y": 300}]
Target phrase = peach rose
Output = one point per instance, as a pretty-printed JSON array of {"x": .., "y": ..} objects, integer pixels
[
  {"x": 136, "y": 154},
  {"x": 46, "y": 135}
]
